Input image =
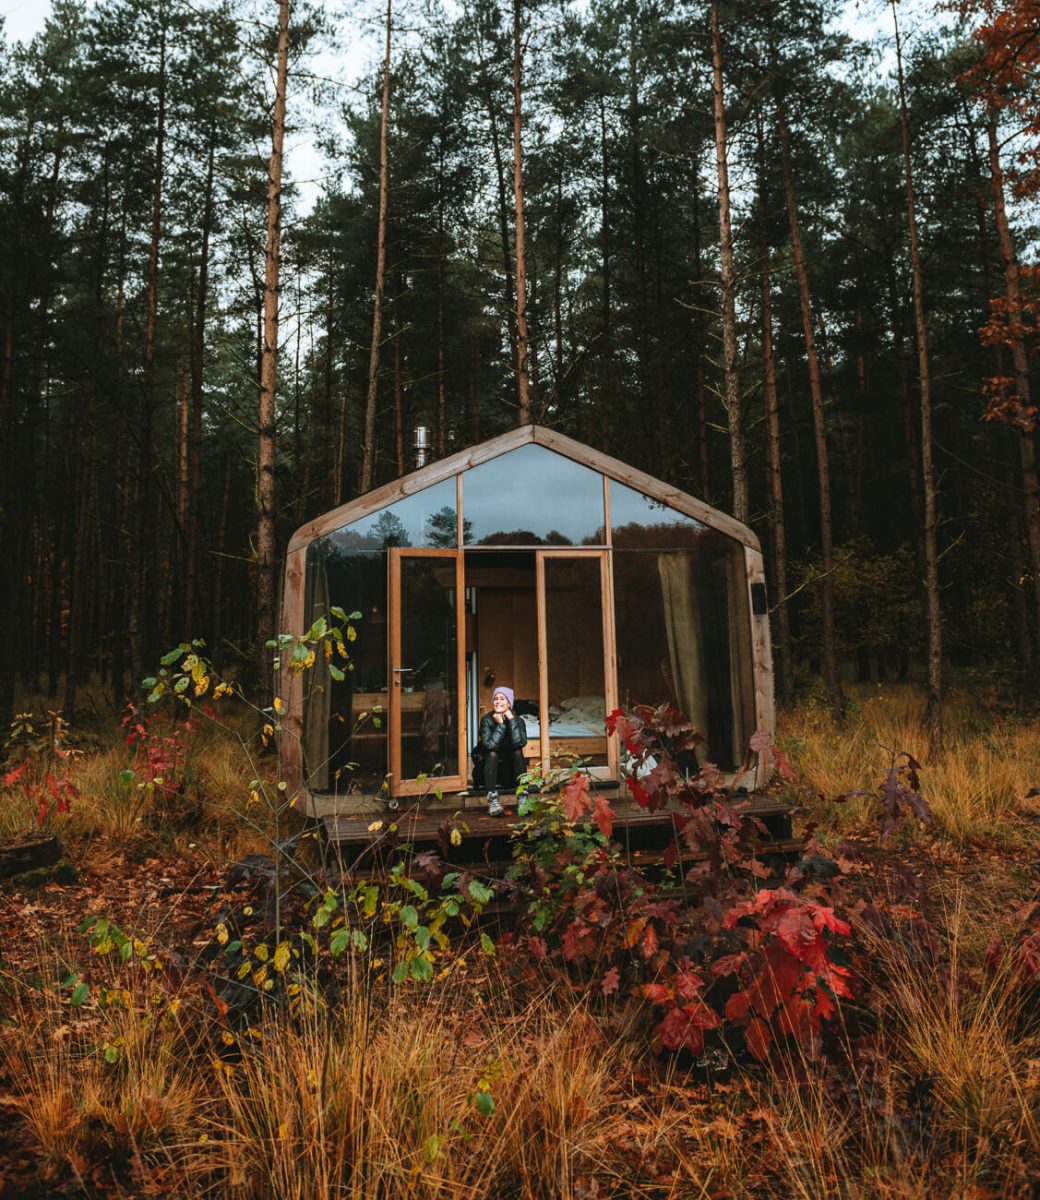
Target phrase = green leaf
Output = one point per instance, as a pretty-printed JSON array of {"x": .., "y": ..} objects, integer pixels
[
  {"x": 111, "y": 1054},
  {"x": 479, "y": 892},
  {"x": 173, "y": 656},
  {"x": 336, "y": 673},
  {"x": 338, "y": 613},
  {"x": 431, "y": 1148},
  {"x": 126, "y": 778},
  {"x": 339, "y": 942},
  {"x": 485, "y": 1104},
  {"x": 422, "y": 970},
  {"x": 354, "y": 616},
  {"x": 449, "y": 880},
  {"x": 318, "y": 629},
  {"x": 79, "y": 994},
  {"x": 150, "y": 682},
  {"x": 409, "y": 917},
  {"x": 422, "y": 937},
  {"x": 400, "y": 971},
  {"x": 487, "y": 945},
  {"x": 359, "y": 941},
  {"x": 182, "y": 684}
]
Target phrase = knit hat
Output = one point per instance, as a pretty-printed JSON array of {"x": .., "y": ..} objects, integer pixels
[{"x": 506, "y": 691}]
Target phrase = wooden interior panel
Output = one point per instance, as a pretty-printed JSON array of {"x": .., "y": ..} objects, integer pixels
[{"x": 507, "y": 642}]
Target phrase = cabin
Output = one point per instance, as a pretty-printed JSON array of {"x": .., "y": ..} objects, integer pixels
[{"x": 529, "y": 560}]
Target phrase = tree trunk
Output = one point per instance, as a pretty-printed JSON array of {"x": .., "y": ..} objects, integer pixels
[
  {"x": 266, "y": 548},
  {"x": 1020, "y": 363},
  {"x": 198, "y": 358},
  {"x": 607, "y": 384},
  {"x": 931, "y": 519},
  {"x": 368, "y": 448},
  {"x": 830, "y": 649},
  {"x": 523, "y": 398},
  {"x": 142, "y": 595},
  {"x": 398, "y": 391},
  {"x": 734, "y": 407},
  {"x": 772, "y": 413}
]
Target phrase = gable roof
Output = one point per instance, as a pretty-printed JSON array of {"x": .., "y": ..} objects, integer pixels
[{"x": 540, "y": 435}]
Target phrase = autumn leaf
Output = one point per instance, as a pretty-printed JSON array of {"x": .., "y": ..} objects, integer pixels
[
  {"x": 758, "y": 1038},
  {"x": 603, "y": 815},
  {"x": 575, "y": 798},
  {"x": 609, "y": 983}
]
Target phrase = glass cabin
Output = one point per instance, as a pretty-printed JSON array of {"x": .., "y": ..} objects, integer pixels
[{"x": 532, "y": 561}]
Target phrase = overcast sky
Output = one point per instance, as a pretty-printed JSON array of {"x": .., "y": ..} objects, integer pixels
[{"x": 863, "y": 19}]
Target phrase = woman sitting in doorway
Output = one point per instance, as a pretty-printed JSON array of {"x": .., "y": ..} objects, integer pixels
[{"x": 498, "y": 756}]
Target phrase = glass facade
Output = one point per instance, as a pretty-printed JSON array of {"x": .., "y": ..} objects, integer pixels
[
  {"x": 533, "y": 497},
  {"x": 680, "y": 602}
]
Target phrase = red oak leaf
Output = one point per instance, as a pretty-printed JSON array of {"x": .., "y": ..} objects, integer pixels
[
  {"x": 603, "y": 815},
  {"x": 575, "y": 798},
  {"x": 610, "y": 981},
  {"x": 758, "y": 1038}
]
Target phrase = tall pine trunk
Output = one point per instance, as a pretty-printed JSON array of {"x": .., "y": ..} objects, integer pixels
[
  {"x": 523, "y": 397},
  {"x": 931, "y": 500},
  {"x": 368, "y": 448},
  {"x": 141, "y": 597},
  {"x": 830, "y": 647},
  {"x": 1020, "y": 363},
  {"x": 734, "y": 408},
  {"x": 266, "y": 547},
  {"x": 777, "y": 524}
]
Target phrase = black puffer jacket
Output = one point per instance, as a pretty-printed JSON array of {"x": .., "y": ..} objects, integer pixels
[{"x": 511, "y": 734}]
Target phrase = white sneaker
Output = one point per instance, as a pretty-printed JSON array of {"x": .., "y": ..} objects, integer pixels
[{"x": 495, "y": 808}]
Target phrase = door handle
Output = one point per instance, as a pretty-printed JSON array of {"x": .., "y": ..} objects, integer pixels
[{"x": 401, "y": 670}]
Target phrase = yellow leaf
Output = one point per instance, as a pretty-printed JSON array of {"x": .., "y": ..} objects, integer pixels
[
  {"x": 351, "y": 633},
  {"x": 222, "y": 934},
  {"x": 281, "y": 957},
  {"x": 279, "y": 704},
  {"x": 261, "y": 952}
]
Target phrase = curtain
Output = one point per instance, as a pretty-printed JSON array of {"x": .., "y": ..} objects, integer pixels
[
  {"x": 685, "y": 642},
  {"x": 317, "y": 705}
]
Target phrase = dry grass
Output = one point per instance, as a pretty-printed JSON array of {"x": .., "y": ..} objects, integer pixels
[{"x": 977, "y": 787}]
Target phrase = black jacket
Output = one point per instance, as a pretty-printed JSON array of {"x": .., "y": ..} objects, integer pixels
[{"x": 510, "y": 735}]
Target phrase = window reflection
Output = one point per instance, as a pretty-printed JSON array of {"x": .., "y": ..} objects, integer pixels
[
  {"x": 683, "y": 635},
  {"x": 426, "y": 519},
  {"x": 640, "y": 521},
  {"x": 533, "y": 497},
  {"x": 345, "y": 721}
]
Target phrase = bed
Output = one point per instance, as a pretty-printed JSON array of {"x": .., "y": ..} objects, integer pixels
[{"x": 576, "y": 727}]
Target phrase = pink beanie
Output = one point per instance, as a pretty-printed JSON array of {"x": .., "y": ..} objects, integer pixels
[{"x": 506, "y": 691}]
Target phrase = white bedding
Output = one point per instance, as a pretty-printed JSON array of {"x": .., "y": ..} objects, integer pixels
[{"x": 562, "y": 728}]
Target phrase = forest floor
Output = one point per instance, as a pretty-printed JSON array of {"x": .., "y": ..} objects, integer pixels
[{"x": 125, "y": 1072}]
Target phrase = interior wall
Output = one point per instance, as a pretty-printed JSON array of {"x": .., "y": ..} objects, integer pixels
[{"x": 507, "y": 642}]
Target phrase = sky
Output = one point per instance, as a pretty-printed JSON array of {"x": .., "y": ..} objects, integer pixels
[{"x": 863, "y": 19}]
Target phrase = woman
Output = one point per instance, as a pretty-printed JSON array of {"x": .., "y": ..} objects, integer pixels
[{"x": 500, "y": 748}]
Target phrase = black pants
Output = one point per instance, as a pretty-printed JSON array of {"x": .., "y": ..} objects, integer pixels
[{"x": 506, "y": 759}]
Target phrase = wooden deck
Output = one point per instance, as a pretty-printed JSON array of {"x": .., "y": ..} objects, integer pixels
[{"x": 417, "y": 825}]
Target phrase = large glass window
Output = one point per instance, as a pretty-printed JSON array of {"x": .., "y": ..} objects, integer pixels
[
  {"x": 345, "y": 721},
  {"x": 532, "y": 496},
  {"x": 640, "y": 522},
  {"x": 684, "y": 636},
  {"x": 428, "y": 518}
]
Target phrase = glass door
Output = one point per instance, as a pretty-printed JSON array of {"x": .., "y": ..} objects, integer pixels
[
  {"x": 427, "y": 671},
  {"x": 576, "y": 657}
]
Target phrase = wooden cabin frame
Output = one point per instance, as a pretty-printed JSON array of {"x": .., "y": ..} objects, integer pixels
[{"x": 399, "y": 702}]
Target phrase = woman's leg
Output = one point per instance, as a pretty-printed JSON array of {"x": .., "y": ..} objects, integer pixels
[
  {"x": 519, "y": 766},
  {"x": 491, "y": 770}
]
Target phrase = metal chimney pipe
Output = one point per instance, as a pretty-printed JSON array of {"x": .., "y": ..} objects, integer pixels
[{"x": 421, "y": 442}]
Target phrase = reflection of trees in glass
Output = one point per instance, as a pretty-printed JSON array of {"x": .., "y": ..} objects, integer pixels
[
  {"x": 390, "y": 530},
  {"x": 442, "y": 529}
]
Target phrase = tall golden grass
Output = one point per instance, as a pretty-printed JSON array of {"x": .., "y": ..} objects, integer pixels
[{"x": 976, "y": 787}]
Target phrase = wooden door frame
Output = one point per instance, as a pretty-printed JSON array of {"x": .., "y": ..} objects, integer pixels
[
  {"x": 606, "y": 585},
  {"x": 411, "y": 787}
]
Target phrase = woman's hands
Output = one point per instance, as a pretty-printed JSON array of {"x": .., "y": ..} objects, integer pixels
[{"x": 503, "y": 716}]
